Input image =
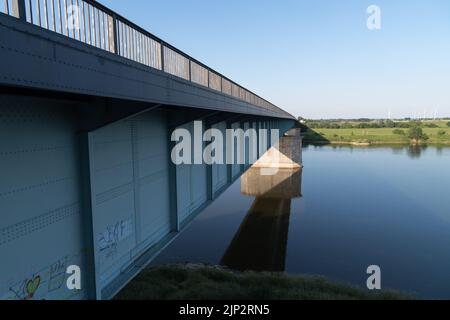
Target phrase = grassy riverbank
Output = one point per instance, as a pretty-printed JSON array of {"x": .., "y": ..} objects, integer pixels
[
  {"x": 202, "y": 282},
  {"x": 436, "y": 132}
]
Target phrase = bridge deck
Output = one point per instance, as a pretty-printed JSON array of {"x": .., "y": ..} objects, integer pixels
[{"x": 109, "y": 56}]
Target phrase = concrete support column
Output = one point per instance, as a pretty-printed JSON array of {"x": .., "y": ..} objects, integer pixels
[
  {"x": 209, "y": 178},
  {"x": 91, "y": 275},
  {"x": 229, "y": 166},
  {"x": 174, "y": 220},
  {"x": 257, "y": 125},
  {"x": 242, "y": 147},
  {"x": 88, "y": 196}
]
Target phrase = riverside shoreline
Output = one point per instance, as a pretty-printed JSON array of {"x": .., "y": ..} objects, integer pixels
[
  {"x": 375, "y": 136},
  {"x": 374, "y": 143},
  {"x": 198, "y": 281}
]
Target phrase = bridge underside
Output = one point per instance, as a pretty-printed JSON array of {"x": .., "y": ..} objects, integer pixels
[
  {"x": 85, "y": 184},
  {"x": 85, "y": 163}
]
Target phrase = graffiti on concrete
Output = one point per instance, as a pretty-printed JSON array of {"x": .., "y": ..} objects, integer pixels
[
  {"x": 27, "y": 288},
  {"x": 31, "y": 287},
  {"x": 57, "y": 274},
  {"x": 109, "y": 239},
  {"x": 40, "y": 285}
]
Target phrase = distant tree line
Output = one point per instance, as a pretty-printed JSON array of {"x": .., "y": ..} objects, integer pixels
[{"x": 367, "y": 124}]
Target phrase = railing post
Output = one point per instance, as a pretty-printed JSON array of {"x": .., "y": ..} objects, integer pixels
[
  {"x": 190, "y": 70},
  {"x": 115, "y": 34},
  {"x": 162, "y": 56},
  {"x": 19, "y": 9},
  {"x": 209, "y": 85}
]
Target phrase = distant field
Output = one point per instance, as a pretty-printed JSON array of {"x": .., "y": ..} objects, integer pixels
[{"x": 376, "y": 135}]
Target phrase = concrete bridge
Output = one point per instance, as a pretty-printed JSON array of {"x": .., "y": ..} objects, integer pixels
[{"x": 87, "y": 105}]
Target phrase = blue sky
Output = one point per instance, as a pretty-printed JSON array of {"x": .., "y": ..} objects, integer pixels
[{"x": 315, "y": 58}]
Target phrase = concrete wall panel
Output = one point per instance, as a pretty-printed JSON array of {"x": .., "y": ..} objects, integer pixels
[
  {"x": 130, "y": 190},
  {"x": 41, "y": 227},
  {"x": 191, "y": 184},
  {"x": 219, "y": 171}
]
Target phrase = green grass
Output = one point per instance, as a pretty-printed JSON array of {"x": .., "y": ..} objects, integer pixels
[
  {"x": 179, "y": 283},
  {"x": 376, "y": 135}
]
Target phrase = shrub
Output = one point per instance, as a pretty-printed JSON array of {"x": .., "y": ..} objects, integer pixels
[
  {"x": 409, "y": 124},
  {"x": 389, "y": 124},
  {"x": 441, "y": 133},
  {"x": 448, "y": 124},
  {"x": 363, "y": 125},
  {"x": 399, "y": 132},
  {"x": 334, "y": 126},
  {"x": 416, "y": 133},
  {"x": 346, "y": 125}
]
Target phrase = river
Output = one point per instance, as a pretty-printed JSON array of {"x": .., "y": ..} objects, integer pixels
[{"x": 349, "y": 208}]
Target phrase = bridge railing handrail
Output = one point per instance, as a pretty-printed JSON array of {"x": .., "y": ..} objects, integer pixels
[{"x": 99, "y": 26}]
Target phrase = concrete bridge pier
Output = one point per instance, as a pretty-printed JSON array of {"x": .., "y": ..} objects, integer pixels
[{"x": 285, "y": 153}]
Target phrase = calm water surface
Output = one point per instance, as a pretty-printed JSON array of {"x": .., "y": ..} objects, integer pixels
[{"x": 347, "y": 209}]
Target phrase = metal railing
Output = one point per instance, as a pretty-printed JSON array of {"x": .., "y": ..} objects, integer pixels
[
  {"x": 175, "y": 63},
  {"x": 10, "y": 7},
  {"x": 215, "y": 81},
  {"x": 93, "y": 24},
  {"x": 199, "y": 74}
]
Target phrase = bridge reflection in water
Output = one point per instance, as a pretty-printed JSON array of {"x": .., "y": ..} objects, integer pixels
[{"x": 260, "y": 243}]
